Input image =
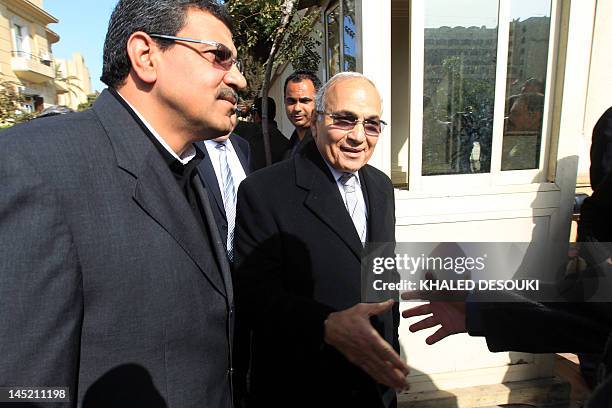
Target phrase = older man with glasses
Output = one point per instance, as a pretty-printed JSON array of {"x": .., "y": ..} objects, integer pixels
[
  {"x": 115, "y": 282},
  {"x": 301, "y": 229}
]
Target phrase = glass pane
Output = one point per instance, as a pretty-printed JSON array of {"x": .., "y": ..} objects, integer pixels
[
  {"x": 333, "y": 41},
  {"x": 527, "y": 59},
  {"x": 18, "y": 39},
  {"x": 349, "y": 36},
  {"x": 459, "y": 85}
]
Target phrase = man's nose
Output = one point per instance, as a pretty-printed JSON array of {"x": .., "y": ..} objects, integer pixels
[
  {"x": 234, "y": 78},
  {"x": 357, "y": 135}
]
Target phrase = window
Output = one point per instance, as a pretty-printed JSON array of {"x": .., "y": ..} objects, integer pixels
[
  {"x": 341, "y": 37},
  {"x": 18, "y": 38},
  {"x": 484, "y": 72},
  {"x": 21, "y": 42}
]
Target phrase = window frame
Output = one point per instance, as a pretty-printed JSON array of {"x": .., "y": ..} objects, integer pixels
[
  {"x": 458, "y": 183},
  {"x": 21, "y": 46},
  {"x": 327, "y": 10}
]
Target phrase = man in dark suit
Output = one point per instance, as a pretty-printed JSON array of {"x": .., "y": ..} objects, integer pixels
[
  {"x": 112, "y": 268},
  {"x": 224, "y": 166},
  {"x": 253, "y": 134},
  {"x": 299, "y": 93},
  {"x": 300, "y": 234},
  {"x": 601, "y": 149}
]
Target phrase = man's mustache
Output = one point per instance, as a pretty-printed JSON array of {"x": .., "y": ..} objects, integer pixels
[{"x": 228, "y": 94}]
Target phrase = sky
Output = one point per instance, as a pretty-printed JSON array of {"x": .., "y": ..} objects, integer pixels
[
  {"x": 82, "y": 27},
  {"x": 478, "y": 13}
]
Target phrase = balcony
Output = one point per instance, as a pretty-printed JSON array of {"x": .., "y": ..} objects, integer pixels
[{"x": 31, "y": 67}]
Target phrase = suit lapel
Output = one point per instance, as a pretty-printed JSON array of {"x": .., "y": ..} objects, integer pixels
[
  {"x": 241, "y": 154},
  {"x": 218, "y": 245},
  {"x": 155, "y": 189},
  {"x": 375, "y": 202},
  {"x": 323, "y": 197},
  {"x": 209, "y": 177}
]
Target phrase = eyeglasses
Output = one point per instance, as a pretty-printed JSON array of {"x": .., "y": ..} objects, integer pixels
[
  {"x": 371, "y": 127},
  {"x": 223, "y": 55}
]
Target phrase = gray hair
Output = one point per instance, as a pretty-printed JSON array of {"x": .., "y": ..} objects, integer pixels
[
  {"x": 321, "y": 97},
  {"x": 152, "y": 17}
]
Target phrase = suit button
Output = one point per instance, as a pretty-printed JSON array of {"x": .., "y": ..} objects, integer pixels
[
  {"x": 231, "y": 311},
  {"x": 224, "y": 227}
]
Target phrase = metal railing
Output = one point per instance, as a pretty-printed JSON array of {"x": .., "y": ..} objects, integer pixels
[{"x": 47, "y": 60}]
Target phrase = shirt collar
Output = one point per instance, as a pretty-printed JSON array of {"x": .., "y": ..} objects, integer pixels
[
  {"x": 184, "y": 158},
  {"x": 228, "y": 144},
  {"x": 336, "y": 174}
]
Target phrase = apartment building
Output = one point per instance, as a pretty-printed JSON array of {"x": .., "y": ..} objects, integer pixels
[
  {"x": 25, "y": 52},
  {"x": 73, "y": 81}
]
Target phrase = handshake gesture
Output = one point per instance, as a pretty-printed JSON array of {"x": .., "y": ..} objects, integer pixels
[{"x": 351, "y": 333}]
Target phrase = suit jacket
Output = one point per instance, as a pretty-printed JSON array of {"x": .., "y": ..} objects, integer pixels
[
  {"x": 298, "y": 259},
  {"x": 109, "y": 284},
  {"x": 295, "y": 144},
  {"x": 253, "y": 133},
  {"x": 601, "y": 149},
  {"x": 535, "y": 327},
  {"x": 209, "y": 178}
]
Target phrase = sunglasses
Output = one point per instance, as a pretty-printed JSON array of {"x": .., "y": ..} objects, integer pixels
[
  {"x": 223, "y": 55},
  {"x": 371, "y": 127}
]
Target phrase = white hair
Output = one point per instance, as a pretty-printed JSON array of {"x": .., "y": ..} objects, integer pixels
[{"x": 320, "y": 99}]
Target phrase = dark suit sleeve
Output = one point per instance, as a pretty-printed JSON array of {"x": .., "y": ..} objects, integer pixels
[
  {"x": 259, "y": 274},
  {"x": 41, "y": 289},
  {"x": 595, "y": 224},
  {"x": 534, "y": 327},
  {"x": 243, "y": 147},
  {"x": 601, "y": 159}
]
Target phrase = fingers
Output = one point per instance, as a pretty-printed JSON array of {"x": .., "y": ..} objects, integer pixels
[
  {"x": 420, "y": 310},
  {"x": 373, "y": 309},
  {"x": 384, "y": 352},
  {"x": 413, "y": 295},
  {"x": 426, "y": 323},
  {"x": 437, "y": 336},
  {"x": 385, "y": 373}
]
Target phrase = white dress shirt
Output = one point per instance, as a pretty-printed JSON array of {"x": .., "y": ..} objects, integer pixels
[
  {"x": 238, "y": 173},
  {"x": 336, "y": 174},
  {"x": 184, "y": 158}
]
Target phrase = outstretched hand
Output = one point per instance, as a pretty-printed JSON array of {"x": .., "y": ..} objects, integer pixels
[
  {"x": 351, "y": 333},
  {"x": 450, "y": 316}
]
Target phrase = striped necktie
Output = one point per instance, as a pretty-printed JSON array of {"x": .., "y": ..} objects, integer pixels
[
  {"x": 354, "y": 206},
  {"x": 229, "y": 198}
]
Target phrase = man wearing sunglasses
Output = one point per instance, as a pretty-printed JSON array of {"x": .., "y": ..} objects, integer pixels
[
  {"x": 300, "y": 234},
  {"x": 114, "y": 278}
]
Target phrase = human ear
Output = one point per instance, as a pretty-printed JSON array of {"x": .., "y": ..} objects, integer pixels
[{"x": 142, "y": 52}]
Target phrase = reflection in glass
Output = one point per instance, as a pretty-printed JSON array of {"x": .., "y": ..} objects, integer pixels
[
  {"x": 527, "y": 64},
  {"x": 349, "y": 36},
  {"x": 333, "y": 41},
  {"x": 459, "y": 85}
]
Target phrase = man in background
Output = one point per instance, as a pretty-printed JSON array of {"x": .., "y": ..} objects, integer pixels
[
  {"x": 253, "y": 133},
  {"x": 299, "y": 92},
  {"x": 224, "y": 165}
]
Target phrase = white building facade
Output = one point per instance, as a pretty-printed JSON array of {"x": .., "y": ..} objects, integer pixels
[{"x": 448, "y": 71}]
